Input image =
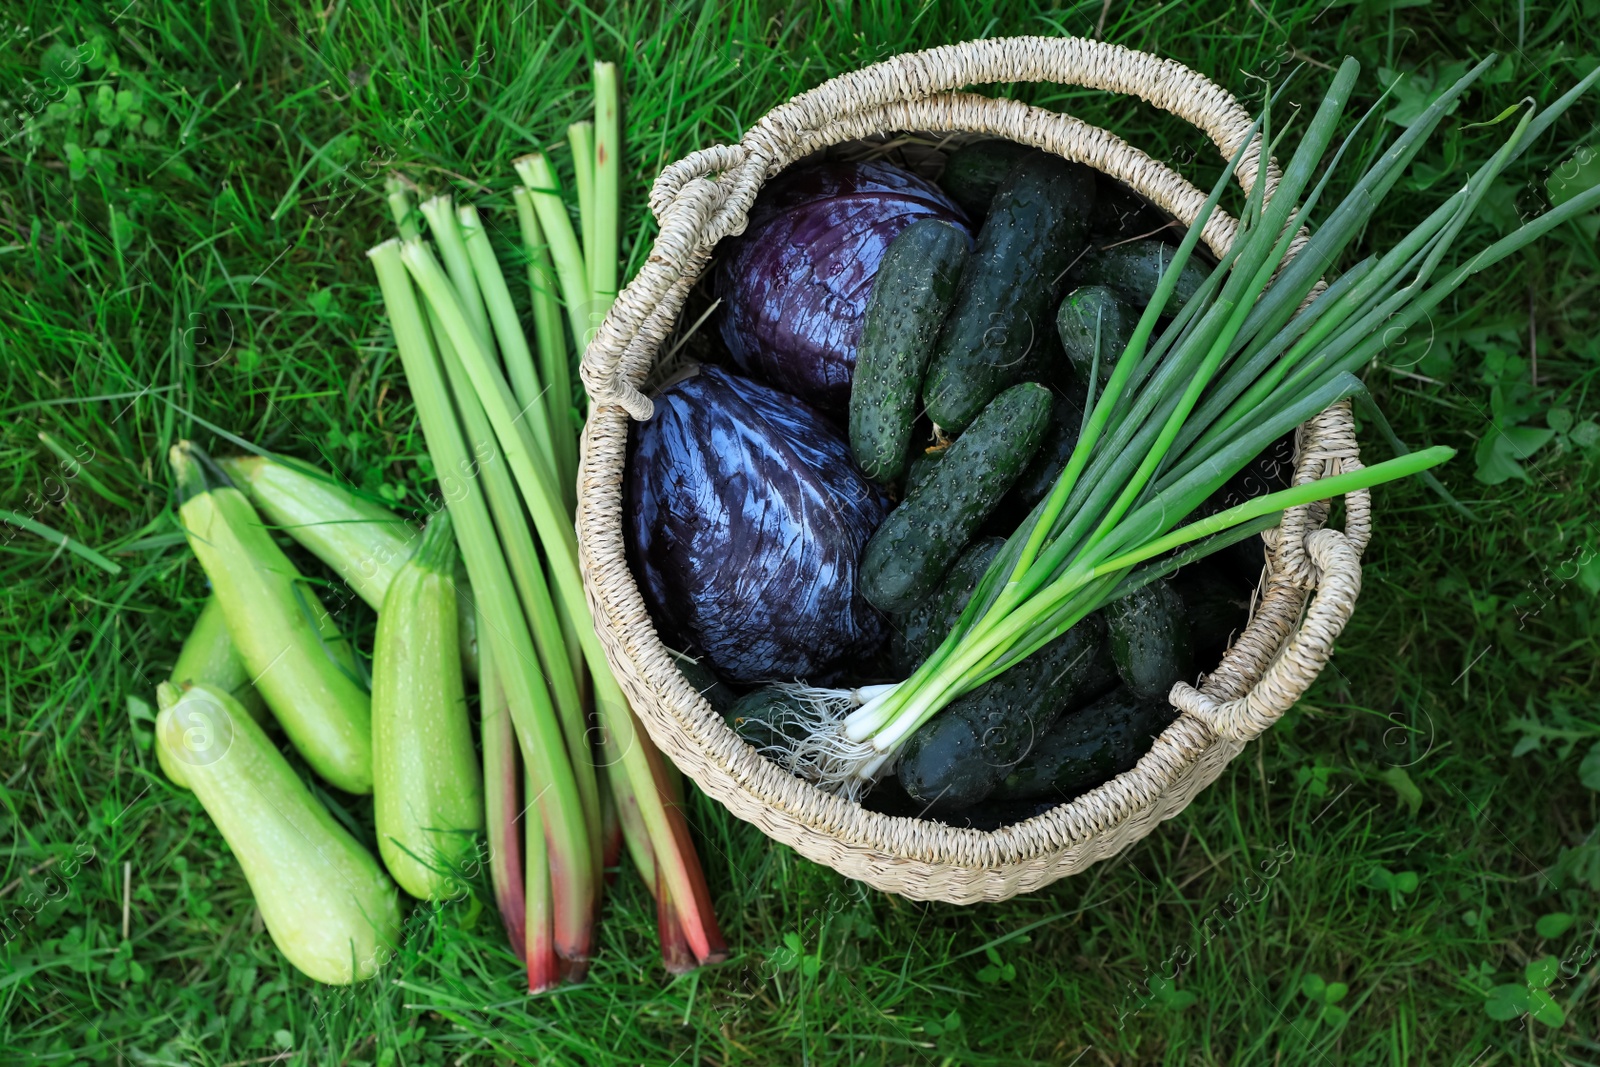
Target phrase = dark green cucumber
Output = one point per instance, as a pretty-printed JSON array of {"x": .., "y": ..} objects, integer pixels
[
  {"x": 1009, "y": 288},
  {"x": 1085, "y": 310},
  {"x": 1047, "y": 364},
  {"x": 766, "y": 718},
  {"x": 910, "y": 552},
  {"x": 1088, "y": 748},
  {"x": 912, "y": 293},
  {"x": 1134, "y": 270},
  {"x": 920, "y": 467},
  {"x": 973, "y": 174},
  {"x": 887, "y": 798},
  {"x": 1217, "y": 609},
  {"x": 697, "y": 674},
  {"x": 1120, "y": 213},
  {"x": 1268, "y": 472},
  {"x": 920, "y": 630},
  {"x": 1066, "y": 416},
  {"x": 1150, "y": 639},
  {"x": 959, "y": 756}
]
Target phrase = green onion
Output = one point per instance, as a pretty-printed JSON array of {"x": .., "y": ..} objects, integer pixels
[{"x": 1178, "y": 417}]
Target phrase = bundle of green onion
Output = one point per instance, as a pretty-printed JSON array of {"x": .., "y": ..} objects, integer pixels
[
  {"x": 1260, "y": 349},
  {"x": 501, "y": 427}
]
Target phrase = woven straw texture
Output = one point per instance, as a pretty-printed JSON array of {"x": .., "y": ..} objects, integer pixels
[{"x": 1307, "y": 592}]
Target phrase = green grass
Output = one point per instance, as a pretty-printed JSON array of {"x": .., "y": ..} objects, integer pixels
[{"x": 192, "y": 250}]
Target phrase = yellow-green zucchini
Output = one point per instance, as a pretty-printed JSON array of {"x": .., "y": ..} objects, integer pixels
[
  {"x": 208, "y": 655},
  {"x": 365, "y": 543},
  {"x": 427, "y": 794},
  {"x": 303, "y": 668},
  {"x": 327, "y": 904}
]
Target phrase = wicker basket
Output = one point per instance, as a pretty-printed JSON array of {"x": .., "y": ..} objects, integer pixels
[{"x": 705, "y": 197}]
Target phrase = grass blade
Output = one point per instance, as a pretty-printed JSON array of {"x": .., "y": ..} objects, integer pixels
[{"x": 56, "y": 537}]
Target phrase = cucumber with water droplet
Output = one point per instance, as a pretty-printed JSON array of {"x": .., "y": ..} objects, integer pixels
[
  {"x": 1150, "y": 639},
  {"x": 974, "y": 173},
  {"x": 768, "y": 717},
  {"x": 910, "y": 552},
  {"x": 920, "y": 630},
  {"x": 1135, "y": 269},
  {"x": 1066, "y": 417},
  {"x": 1009, "y": 288},
  {"x": 1217, "y": 610},
  {"x": 910, "y": 297},
  {"x": 1088, "y": 748},
  {"x": 1083, "y": 312},
  {"x": 919, "y": 469},
  {"x": 961, "y": 754}
]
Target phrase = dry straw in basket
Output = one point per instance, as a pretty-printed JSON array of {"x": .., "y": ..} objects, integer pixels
[{"x": 707, "y": 196}]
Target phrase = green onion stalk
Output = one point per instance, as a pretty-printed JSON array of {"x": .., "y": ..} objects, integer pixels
[{"x": 1259, "y": 350}]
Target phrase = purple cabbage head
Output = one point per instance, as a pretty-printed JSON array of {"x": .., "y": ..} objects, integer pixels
[
  {"x": 745, "y": 519},
  {"x": 795, "y": 283}
]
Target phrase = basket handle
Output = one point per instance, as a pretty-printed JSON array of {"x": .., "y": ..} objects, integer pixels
[
  {"x": 1163, "y": 83},
  {"x": 695, "y": 212},
  {"x": 1301, "y": 659}
]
